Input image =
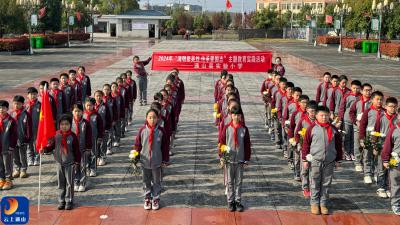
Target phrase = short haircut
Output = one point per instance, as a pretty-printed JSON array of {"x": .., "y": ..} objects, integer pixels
[
  {"x": 128, "y": 72},
  {"x": 326, "y": 73},
  {"x": 63, "y": 75},
  {"x": 366, "y": 85},
  {"x": 224, "y": 73},
  {"x": 289, "y": 85},
  {"x": 278, "y": 58},
  {"x": 343, "y": 77},
  {"x": 152, "y": 110},
  {"x": 54, "y": 79},
  {"x": 119, "y": 79},
  {"x": 376, "y": 93},
  {"x": 19, "y": 98},
  {"x": 312, "y": 105},
  {"x": 72, "y": 71},
  {"x": 233, "y": 100},
  {"x": 270, "y": 71},
  {"x": 156, "y": 105},
  {"x": 99, "y": 92},
  {"x": 356, "y": 83},
  {"x": 44, "y": 83},
  {"x": 114, "y": 83},
  {"x": 276, "y": 73},
  {"x": 304, "y": 97},
  {"x": 32, "y": 90},
  {"x": 392, "y": 100},
  {"x": 65, "y": 117},
  {"x": 236, "y": 110},
  {"x": 90, "y": 100},
  {"x": 4, "y": 103},
  {"x": 230, "y": 86},
  {"x": 282, "y": 80},
  {"x": 230, "y": 76},
  {"x": 122, "y": 75},
  {"x": 322, "y": 109},
  {"x": 298, "y": 89},
  {"x": 77, "y": 106},
  {"x": 158, "y": 96},
  {"x": 107, "y": 85},
  {"x": 335, "y": 77},
  {"x": 135, "y": 57}
]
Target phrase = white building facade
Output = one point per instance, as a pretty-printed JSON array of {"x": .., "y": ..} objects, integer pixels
[{"x": 135, "y": 24}]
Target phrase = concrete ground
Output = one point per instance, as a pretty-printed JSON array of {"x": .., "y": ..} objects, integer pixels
[{"x": 193, "y": 179}]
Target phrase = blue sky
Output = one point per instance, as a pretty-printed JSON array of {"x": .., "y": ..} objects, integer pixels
[{"x": 211, "y": 5}]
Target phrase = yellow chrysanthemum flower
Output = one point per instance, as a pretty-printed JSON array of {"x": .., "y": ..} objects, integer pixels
[
  {"x": 274, "y": 110},
  {"x": 393, "y": 162},
  {"x": 303, "y": 132},
  {"x": 215, "y": 106}
]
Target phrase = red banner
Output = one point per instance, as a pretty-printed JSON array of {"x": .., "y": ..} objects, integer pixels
[{"x": 213, "y": 61}]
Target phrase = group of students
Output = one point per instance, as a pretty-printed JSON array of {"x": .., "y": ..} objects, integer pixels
[
  {"x": 88, "y": 129},
  {"x": 154, "y": 140},
  {"x": 341, "y": 123},
  {"x": 234, "y": 146}
]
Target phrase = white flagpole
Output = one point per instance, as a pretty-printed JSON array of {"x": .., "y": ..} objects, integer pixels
[
  {"x": 40, "y": 174},
  {"x": 243, "y": 19}
]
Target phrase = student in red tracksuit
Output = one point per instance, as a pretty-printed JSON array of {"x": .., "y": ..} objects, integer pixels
[
  {"x": 330, "y": 98},
  {"x": 322, "y": 89},
  {"x": 152, "y": 145}
]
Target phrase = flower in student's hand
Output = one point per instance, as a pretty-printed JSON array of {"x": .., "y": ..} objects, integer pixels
[
  {"x": 377, "y": 134},
  {"x": 370, "y": 129},
  {"x": 394, "y": 154},
  {"x": 133, "y": 154},
  {"x": 303, "y": 131},
  {"x": 292, "y": 141},
  {"x": 215, "y": 107},
  {"x": 274, "y": 110},
  {"x": 393, "y": 162},
  {"x": 309, "y": 157},
  {"x": 218, "y": 115},
  {"x": 265, "y": 92},
  {"x": 225, "y": 149}
]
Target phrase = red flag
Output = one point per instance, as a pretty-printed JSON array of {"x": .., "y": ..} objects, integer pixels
[
  {"x": 328, "y": 19},
  {"x": 228, "y": 4},
  {"x": 46, "y": 129},
  {"x": 42, "y": 12},
  {"x": 308, "y": 17},
  {"x": 78, "y": 16}
]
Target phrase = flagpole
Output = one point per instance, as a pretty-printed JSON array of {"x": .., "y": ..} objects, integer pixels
[
  {"x": 40, "y": 175},
  {"x": 243, "y": 25}
]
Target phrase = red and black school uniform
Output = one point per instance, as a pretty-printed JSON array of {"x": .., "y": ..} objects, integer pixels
[
  {"x": 97, "y": 127},
  {"x": 120, "y": 116},
  {"x": 105, "y": 115},
  {"x": 322, "y": 93},
  {"x": 33, "y": 108},
  {"x": 112, "y": 108},
  {"x": 133, "y": 89},
  {"x": 9, "y": 139},
  {"x": 86, "y": 87},
  {"x": 24, "y": 129}
]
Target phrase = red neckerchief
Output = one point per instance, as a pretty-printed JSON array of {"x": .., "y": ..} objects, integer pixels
[
  {"x": 97, "y": 105},
  {"x": 283, "y": 93},
  {"x": 31, "y": 104},
  {"x": 126, "y": 85},
  {"x": 18, "y": 113},
  {"x": 342, "y": 91},
  {"x": 235, "y": 128},
  {"x": 129, "y": 81},
  {"x": 80, "y": 77},
  {"x": 378, "y": 113},
  {"x": 328, "y": 128},
  {"x": 62, "y": 86},
  {"x": 2, "y": 119},
  {"x": 390, "y": 118},
  {"x": 120, "y": 87},
  {"x": 87, "y": 114},
  {"x": 74, "y": 83},
  {"x": 151, "y": 136},
  {"x": 64, "y": 143},
  {"x": 55, "y": 93},
  {"x": 307, "y": 119},
  {"x": 363, "y": 103},
  {"x": 115, "y": 95},
  {"x": 77, "y": 126},
  {"x": 105, "y": 98}
]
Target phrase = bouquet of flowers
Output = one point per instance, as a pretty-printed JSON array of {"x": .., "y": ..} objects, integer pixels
[
  {"x": 302, "y": 134},
  {"x": 225, "y": 150},
  {"x": 274, "y": 112},
  {"x": 134, "y": 158},
  {"x": 374, "y": 141},
  {"x": 394, "y": 160},
  {"x": 292, "y": 142},
  {"x": 215, "y": 106}
]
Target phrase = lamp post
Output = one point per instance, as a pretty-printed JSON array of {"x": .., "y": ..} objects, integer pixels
[
  {"x": 380, "y": 9},
  {"x": 68, "y": 7},
  {"x": 92, "y": 8},
  {"x": 316, "y": 12},
  {"x": 29, "y": 6},
  {"x": 345, "y": 9}
]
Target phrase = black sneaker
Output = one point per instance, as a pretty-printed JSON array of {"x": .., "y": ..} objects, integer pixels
[
  {"x": 61, "y": 206},
  {"x": 239, "y": 207},
  {"x": 68, "y": 206},
  {"x": 231, "y": 206}
]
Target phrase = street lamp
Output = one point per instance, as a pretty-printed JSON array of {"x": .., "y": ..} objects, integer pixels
[
  {"x": 29, "y": 6},
  {"x": 345, "y": 9},
  {"x": 380, "y": 9},
  {"x": 92, "y": 8},
  {"x": 316, "y": 12},
  {"x": 68, "y": 7}
]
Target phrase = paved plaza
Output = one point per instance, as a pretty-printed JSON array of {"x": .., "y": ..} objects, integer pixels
[{"x": 193, "y": 183}]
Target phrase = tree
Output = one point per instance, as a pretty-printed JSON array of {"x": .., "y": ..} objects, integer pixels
[
  {"x": 237, "y": 20},
  {"x": 12, "y": 18},
  {"x": 52, "y": 18},
  {"x": 392, "y": 23},
  {"x": 116, "y": 6},
  {"x": 301, "y": 17},
  {"x": 227, "y": 20},
  {"x": 217, "y": 21},
  {"x": 265, "y": 18},
  {"x": 358, "y": 20}
]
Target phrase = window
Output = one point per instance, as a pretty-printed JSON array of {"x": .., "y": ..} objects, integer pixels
[
  {"x": 320, "y": 5},
  {"x": 101, "y": 27},
  {"x": 299, "y": 5},
  {"x": 273, "y": 6},
  {"x": 126, "y": 25},
  {"x": 260, "y": 5},
  {"x": 313, "y": 5},
  {"x": 283, "y": 6}
]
